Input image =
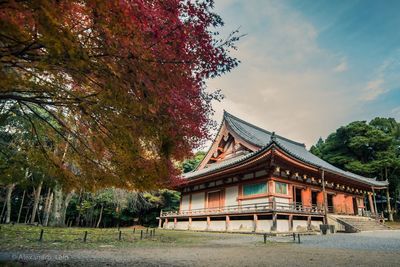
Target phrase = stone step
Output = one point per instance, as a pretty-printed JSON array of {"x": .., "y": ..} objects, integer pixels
[{"x": 364, "y": 224}]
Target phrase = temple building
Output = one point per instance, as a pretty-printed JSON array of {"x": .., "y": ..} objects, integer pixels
[{"x": 253, "y": 180}]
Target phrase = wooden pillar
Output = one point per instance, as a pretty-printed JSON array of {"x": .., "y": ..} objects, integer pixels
[
  {"x": 325, "y": 197},
  {"x": 290, "y": 222},
  {"x": 274, "y": 222},
  {"x": 255, "y": 222},
  {"x": 306, "y": 198},
  {"x": 371, "y": 204},
  {"x": 227, "y": 223}
]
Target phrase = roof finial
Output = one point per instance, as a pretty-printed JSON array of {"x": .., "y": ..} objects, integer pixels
[{"x": 273, "y": 137}]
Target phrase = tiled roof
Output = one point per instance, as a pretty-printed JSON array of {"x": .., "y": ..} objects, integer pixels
[{"x": 264, "y": 139}]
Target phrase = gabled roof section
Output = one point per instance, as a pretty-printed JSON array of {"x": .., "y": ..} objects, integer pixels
[
  {"x": 254, "y": 134},
  {"x": 263, "y": 140}
]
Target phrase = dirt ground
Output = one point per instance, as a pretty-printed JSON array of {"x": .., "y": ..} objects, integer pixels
[{"x": 213, "y": 250}]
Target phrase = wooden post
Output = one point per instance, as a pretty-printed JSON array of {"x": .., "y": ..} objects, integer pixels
[
  {"x": 227, "y": 223},
  {"x": 190, "y": 223},
  {"x": 141, "y": 234},
  {"x": 134, "y": 229},
  {"x": 325, "y": 198},
  {"x": 308, "y": 222},
  {"x": 175, "y": 222},
  {"x": 119, "y": 235},
  {"x": 255, "y": 222},
  {"x": 85, "y": 237},
  {"x": 290, "y": 222},
  {"x": 208, "y": 222},
  {"x": 298, "y": 238},
  {"x": 274, "y": 222},
  {"x": 265, "y": 238},
  {"x": 41, "y": 235},
  {"x": 371, "y": 204}
]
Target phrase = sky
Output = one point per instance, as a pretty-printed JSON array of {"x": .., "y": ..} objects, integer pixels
[{"x": 308, "y": 67}]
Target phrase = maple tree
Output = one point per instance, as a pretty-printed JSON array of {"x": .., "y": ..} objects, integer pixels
[{"x": 117, "y": 87}]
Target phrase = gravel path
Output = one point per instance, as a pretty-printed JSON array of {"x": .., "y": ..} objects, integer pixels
[
  {"x": 376, "y": 240},
  {"x": 380, "y": 248}
]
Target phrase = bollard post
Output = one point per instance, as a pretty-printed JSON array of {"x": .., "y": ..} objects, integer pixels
[
  {"x": 141, "y": 234},
  {"x": 298, "y": 238},
  {"x": 41, "y": 235},
  {"x": 294, "y": 237},
  {"x": 265, "y": 238},
  {"x": 85, "y": 237},
  {"x": 119, "y": 235}
]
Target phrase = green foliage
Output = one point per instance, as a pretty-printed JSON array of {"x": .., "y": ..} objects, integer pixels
[
  {"x": 369, "y": 149},
  {"x": 192, "y": 163},
  {"x": 121, "y": 207}
]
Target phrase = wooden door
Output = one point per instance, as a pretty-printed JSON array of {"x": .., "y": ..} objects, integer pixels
[{"x": 214, "y": 200}]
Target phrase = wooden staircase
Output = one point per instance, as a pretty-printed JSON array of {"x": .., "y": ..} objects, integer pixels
[{"x": 358, "y": 223}]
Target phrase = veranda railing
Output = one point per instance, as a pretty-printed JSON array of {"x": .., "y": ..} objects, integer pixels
[{"x": 245, "y": 208}]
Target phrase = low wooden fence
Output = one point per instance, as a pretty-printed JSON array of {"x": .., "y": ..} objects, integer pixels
[{"x": 68, "y": 235}]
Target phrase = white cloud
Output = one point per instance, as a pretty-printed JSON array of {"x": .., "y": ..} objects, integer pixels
[
  {"x": 286, "y": 82},
  {"x": 396, "y": 112},
  {"x": 342, "y": 67},
  {"x": 373, "y": 89}
]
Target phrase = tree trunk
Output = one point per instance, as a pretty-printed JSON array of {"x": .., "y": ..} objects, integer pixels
[
  {"x": 2, "y": 211},
  {"x": 47, "y": 211},
  {"x": 20, "y": 207},
  {"x": 10, "y": 188},
  {"x": 60, "y": 205},
  {"x": 46, "y": 205},
  {"x": 64, "y": 205},
  {"x": 101, "y": 215},
  {"x": 37, "y": 191}
]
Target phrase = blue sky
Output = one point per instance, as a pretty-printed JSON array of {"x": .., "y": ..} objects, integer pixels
[{"x": 309, "y": 67}]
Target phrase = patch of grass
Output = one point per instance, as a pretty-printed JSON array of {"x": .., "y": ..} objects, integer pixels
[
  {"x": 394, "y": 225},
  {"x": 27, "y": 237}
]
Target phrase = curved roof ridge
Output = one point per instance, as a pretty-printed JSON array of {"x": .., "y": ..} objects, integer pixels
[{"x": 227, "y": 114}]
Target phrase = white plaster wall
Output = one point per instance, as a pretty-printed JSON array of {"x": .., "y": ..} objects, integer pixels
[
  {"x": 241, "y": 225},
  {"x": 198, "y": 225},
  {"x": 198, "y": 200},
  {"x": 231, "y": 194},
  {"x": 264, "y": 225},
  {"x": 299, "y": 225},
  {"x": 182, "y": 225},
  {"x": 169, "y": 225},
  {"x": 281, "y": 203},
  {"x": 315, "y": 225},
  {"x": 282, "y": 225},
  {"x": 254, "y": 201},
  {"x": 217, "y": 226},
  {"x": 185, "y": 202}
]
